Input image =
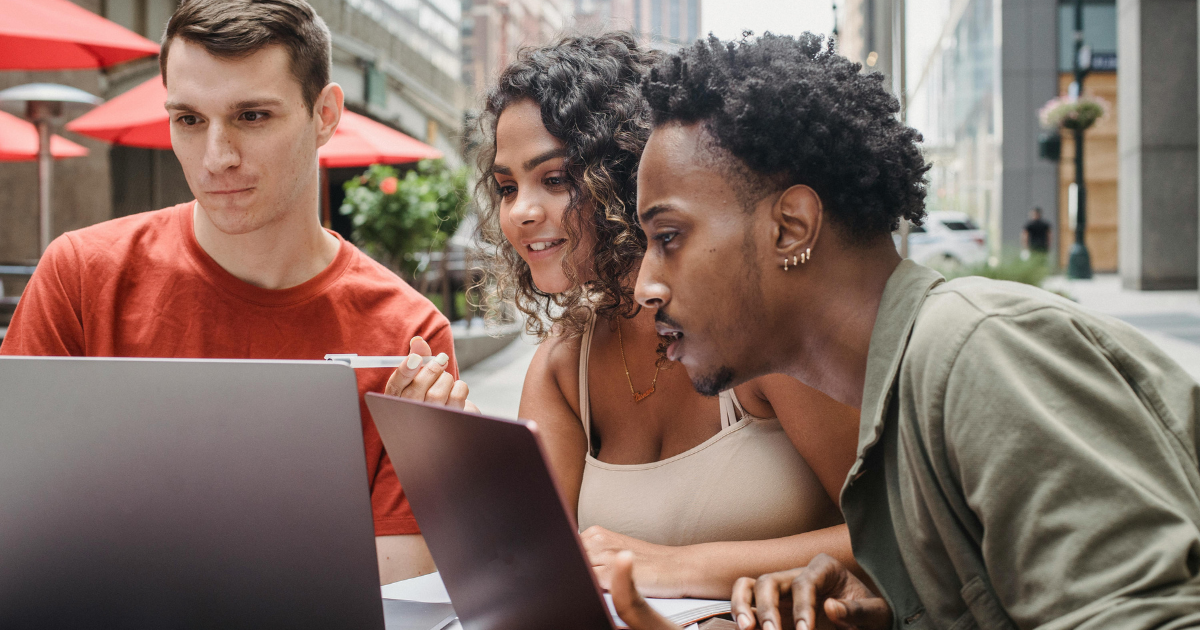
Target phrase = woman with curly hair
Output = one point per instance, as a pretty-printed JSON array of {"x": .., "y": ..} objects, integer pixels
[{"x": 702, "y": 489}]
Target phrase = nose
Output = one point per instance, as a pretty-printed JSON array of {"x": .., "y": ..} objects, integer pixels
[
  {"x": 649, "y": 290},
  {"x": 526, "y": 210},
  {"x": 220, "y": 151}
]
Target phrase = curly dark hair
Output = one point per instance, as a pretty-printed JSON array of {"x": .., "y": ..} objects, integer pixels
[
  {"x": 588, "y": 90},
  {"x": 792, "y": 111}
]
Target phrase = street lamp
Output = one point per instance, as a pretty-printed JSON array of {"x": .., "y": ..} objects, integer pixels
[
  {"x": 1079, "y": 263},
  {"x": 43, "y": 102}
]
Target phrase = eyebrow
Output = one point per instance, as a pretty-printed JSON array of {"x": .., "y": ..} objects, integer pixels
[
  {"x": 532, "y": 162},
  {"x": 653, "y": 212},
  {"x": 249, "y": 104}
]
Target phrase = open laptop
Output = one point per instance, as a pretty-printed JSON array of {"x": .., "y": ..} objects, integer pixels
[
  {"x": 159, "y": 493},
  {"x": 496, "y": 524}
]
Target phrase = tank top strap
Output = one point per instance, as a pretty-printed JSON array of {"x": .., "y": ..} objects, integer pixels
[
  {"x": 731, "y": 409},
  {"x": 585, "y": 405}
]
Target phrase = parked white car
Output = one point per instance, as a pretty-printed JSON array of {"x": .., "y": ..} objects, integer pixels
[{"x": 947, "y": 239}]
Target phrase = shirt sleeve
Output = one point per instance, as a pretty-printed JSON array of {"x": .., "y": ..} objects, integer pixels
[
  {"x": 1084, "y": 500},
  {"x": 393, "y": 516},
  {"x": 48, "y": 320}
]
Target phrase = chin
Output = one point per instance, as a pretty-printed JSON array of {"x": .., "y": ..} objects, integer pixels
[
  {"x": 551, "y": 283},
  {"x": 233, "y": 220},
  {"x": 712, "y": 381}
]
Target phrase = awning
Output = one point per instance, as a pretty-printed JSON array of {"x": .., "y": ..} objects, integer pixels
[
  {"x": 60, "y": 35},
  {"x": 19, "y": 141}
]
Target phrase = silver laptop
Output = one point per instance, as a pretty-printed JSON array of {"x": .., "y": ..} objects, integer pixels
[
  {"x": 508, "y": 552},
  {"x": 157, "y": 493}
]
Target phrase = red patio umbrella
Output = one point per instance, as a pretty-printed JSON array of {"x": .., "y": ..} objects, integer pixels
[
  {"x": 60, "y": 35},
  {"x": 19, "y": 141},
  {"x": 360, "y": 141},
  {"x": 137, "y": 119}
]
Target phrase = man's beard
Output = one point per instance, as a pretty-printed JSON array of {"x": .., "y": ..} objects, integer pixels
[{"x": 715, "y": 382}]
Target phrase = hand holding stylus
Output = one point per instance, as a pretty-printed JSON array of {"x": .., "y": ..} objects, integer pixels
[{"x": 427, "y": 380}]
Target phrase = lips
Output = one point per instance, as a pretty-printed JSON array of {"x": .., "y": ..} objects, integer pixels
[
  {"x": 544, "y": 248},
  {"x": 673, "y": 337},
  {"x": 230, "y": 191}
]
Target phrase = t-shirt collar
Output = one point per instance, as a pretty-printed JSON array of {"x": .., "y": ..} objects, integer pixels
[{"x": 215, "y": 274}]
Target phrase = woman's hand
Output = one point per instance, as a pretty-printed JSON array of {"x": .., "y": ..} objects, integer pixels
[
  {"x": 824, "y": 586},
  {"x": 630, "y": 605},
  {"x": 430, "y": 383},
  {"x": 661, "y": 570}
]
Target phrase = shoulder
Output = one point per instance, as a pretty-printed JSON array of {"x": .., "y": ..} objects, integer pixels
[
  {"x": 120, "y": 238},
  {"x": 369, "y": 287},
  {"x": 955, "y": 310},
  {"x": 981, "y": 326},
  {"x": 556, "y": 365}
]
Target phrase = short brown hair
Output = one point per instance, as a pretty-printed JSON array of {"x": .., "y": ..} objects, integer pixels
[{"x": 236, "y": 28}]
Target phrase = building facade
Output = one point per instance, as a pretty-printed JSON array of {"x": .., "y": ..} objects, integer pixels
[
  {"x": 664, "y": 24},
  {"x": 971, "y": 75},
  {"x": 397, "y": 60},
  {"x": 494, "y": 30}
]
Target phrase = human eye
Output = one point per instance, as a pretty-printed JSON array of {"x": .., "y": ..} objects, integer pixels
[
  {"x": 665, "y": 238},
  {"x": 187, "y": 120},
  {"x": 555, "y": 181},
  {"x": 505, "y": 189},
  {"x": 253, "y": 116}
]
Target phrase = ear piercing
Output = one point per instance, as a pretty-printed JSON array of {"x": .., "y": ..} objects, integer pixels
[{"x": 798, "y": 260}]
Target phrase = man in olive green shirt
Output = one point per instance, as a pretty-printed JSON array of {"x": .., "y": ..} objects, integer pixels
[{"x": 1022, "y": 463}]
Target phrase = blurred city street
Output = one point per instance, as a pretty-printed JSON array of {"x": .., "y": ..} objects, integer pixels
[{"x": 1171, "y": 319}]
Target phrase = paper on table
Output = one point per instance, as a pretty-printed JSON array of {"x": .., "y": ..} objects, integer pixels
[
  {"x": 680, "y": 611},
  {"x": 425, "y": 588},
  {"x": 429, "y": 588}
]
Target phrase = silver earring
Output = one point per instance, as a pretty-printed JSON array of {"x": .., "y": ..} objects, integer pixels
[{"x": 785, "y": 263}]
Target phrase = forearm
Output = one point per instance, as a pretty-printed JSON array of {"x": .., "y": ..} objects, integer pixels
[
  {"x": 402, "y": 557},
  {"x": 709, "y": 570}
]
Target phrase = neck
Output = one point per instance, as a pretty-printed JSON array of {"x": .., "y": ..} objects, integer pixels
[
  {"x": 826, "y": 330},
  {"x": 281, "y": 254}
]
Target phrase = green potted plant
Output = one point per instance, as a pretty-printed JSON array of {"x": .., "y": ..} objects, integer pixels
[
  {"x": 396, "y": 217},
  {"x": 1064, "y": 112}
]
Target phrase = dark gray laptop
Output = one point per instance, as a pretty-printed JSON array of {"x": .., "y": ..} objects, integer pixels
[
  {"x": 157, "y": 493},
  {"x": 495, "y": 522}
]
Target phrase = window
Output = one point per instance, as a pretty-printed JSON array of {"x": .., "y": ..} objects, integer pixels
[{"x": 959, "y": 226}]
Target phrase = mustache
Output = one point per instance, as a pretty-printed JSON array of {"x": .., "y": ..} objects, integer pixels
[{"x": 660, "y": 316}]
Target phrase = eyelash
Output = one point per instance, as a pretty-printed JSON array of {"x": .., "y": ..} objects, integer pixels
[
  {"x": 261, "y": 116},
  {"x": 507, "y": 190},
  {"x": 665, "y": 238}
]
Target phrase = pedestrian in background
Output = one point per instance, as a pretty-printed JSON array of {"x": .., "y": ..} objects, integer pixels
[{"x": 1035, "y": 238}]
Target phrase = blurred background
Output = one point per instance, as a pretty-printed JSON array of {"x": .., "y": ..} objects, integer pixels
[{"x": 1084, "y": 109}]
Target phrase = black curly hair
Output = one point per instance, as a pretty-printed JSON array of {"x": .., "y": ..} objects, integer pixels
[
  {"x": 588, "y": 90},
  {"x": 790, "y": 111}
]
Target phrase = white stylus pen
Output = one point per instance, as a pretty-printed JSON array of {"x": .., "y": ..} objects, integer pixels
[{"x": 355, "y": 361}]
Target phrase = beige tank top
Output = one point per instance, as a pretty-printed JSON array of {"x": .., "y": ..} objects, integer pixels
[{"x": 747, "y": 482}]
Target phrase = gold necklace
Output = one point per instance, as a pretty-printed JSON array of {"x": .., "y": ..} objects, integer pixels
[{"x": 637, "y": 396}]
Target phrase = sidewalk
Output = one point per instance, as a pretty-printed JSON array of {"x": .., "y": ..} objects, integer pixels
[
  {"x": 1171, "y": 319},
  {"x": 497, "y": 380}
]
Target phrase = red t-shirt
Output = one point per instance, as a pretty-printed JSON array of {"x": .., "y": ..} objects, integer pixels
[{"x": 141, "y": 286}]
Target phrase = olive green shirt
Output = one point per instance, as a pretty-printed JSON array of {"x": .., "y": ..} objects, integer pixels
[{"x": 1023, "y": 463}]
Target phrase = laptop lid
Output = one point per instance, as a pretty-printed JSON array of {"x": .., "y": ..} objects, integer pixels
[
  {"x": 508, "y": 552},
  {"x": 159, "y": 493}
]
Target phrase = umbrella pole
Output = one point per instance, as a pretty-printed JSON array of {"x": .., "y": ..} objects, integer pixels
[{"x": 45, "y": 171}]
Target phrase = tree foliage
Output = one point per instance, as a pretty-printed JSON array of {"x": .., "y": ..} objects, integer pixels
[{"x": 396, "y": 218}]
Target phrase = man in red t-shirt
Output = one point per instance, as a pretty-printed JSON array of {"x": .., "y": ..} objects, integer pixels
[{"x": 246, "y": 271}]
